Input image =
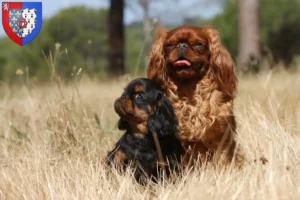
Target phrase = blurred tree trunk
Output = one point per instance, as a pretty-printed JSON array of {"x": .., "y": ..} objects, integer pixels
[
  {"x": 249, "y": 52},
  {"x": 116, "y": 56},
  {"x": 147, "y": 29}
]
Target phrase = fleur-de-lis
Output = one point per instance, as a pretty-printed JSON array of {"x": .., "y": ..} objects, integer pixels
[
  {"x": 14, "y": 19},
  {"x": 18, "y": 13}
]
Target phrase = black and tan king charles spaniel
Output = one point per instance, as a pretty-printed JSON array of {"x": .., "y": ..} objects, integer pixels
[{"x": 143, "y": 109}]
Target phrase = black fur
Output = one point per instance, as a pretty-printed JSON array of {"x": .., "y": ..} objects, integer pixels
[{"x": 141, "y": 151}]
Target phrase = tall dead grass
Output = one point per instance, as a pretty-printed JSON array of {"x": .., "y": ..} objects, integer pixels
[{"x": 54, "y": 137}]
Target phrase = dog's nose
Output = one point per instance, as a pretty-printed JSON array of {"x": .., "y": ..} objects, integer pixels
[
  {"x": 182, "y": 47},
  {"x": 117, "y": 103},
  {"x": 118, "y": 106}
]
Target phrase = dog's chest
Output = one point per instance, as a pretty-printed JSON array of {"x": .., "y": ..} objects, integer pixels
[{"x": 196, "y": 115}]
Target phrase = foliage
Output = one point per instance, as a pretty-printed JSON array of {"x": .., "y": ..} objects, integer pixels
[
  {"x": 78, "y": 38},
  {"x": 134, "y": 48},
  {"x": 81, "y": 31},
  {"x": 274, "y": 15},
  {"x": 80, "y": 35},
  {"x": 227, "y": 24}
]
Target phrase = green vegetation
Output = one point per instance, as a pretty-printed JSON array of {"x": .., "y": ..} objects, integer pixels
[
  {"x": 74, "y": 38},
  {"x": 274, "y": 15},
  {"x": 77, "y": 38}
]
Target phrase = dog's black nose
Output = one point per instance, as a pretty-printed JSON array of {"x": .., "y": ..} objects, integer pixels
[{"x": 182, "y": 47}]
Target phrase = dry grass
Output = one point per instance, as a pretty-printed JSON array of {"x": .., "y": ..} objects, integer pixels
[{"x": 52, "y": 145}]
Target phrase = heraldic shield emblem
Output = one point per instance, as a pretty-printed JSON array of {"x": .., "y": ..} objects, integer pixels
[{"x": 22, "y": 21}]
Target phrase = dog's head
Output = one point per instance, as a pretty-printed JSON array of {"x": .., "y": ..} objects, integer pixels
[
  {"x": 144, "y": 108},
  {"x": 186, "y": 51},
  {"x": 189, "y": 52}
]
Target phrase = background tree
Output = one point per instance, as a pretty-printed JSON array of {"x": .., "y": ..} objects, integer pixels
[
  {"x": 147, "y": 28},
  {"x": 116, "y": 38},
  {"x": 82, "y": 35},
  {"x": 278, "y": 22},
  {"x": 249, "y": 52},
  {"x": 83, "y": 42},
  {"x": 279, "y": 25}
]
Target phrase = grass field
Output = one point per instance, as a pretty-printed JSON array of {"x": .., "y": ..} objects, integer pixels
[{"x": 54, "y": 137}]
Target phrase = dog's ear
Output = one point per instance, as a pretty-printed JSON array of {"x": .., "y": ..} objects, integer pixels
[
  {"x": 162, "y": 120},
  {"x": 222, "y": 63},
  {"x": 123, "y": 125},
  {"x": 157, "y": 69}
]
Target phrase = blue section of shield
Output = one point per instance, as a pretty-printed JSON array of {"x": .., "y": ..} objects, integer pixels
[
  {"x": 14, "y": 16},
  {"x": 39, "y": 18}
]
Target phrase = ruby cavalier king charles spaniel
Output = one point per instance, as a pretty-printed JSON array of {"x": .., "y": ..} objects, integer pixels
[{"x": 197, "y": 75}]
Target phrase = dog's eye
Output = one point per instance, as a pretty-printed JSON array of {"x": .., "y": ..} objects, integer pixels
[
  {"x": 169, "y": 45},
  {"x": 138, "y": 97},
  {"x": 198, "y": 44}
]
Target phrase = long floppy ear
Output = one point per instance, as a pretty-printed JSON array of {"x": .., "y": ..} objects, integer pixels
[
  {"x": 156, "y": 69},
  {"x": 122, "y": 124},
  {"x": 221, "y": 63},
  {"x": 163, "y": 119}
]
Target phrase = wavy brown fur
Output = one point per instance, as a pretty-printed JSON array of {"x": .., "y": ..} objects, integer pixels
[{"x": 205, "y": 114}]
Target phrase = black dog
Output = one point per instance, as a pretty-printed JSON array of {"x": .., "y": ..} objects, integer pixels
[{"x": 144, "y": 109}]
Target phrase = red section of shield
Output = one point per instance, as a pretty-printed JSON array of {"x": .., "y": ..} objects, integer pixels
[{"x": 5, "y": 21}]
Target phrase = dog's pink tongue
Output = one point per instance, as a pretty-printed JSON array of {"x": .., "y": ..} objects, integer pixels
[{"x": 181, "y": 63}]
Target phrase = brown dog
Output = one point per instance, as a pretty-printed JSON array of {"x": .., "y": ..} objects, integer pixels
[{"x": 197, "y": 74}]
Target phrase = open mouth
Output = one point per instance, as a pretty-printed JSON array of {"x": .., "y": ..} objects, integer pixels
[{"x": 182, "y": 63}]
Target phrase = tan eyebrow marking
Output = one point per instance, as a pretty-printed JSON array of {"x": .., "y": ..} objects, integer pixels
[{"x": 138, "y": 88}]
